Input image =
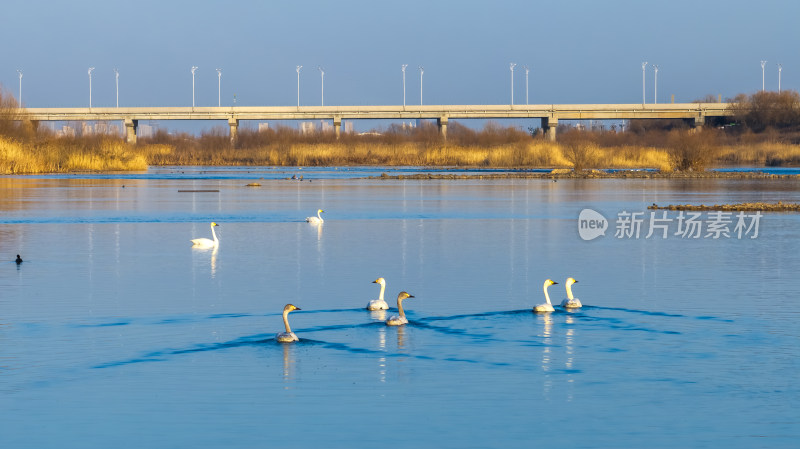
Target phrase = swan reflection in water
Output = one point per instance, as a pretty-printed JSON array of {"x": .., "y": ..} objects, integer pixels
[
  {"x": 401, "y": 338},
  {"x": 288, "y": 365},
  {"x": 213, "y": 251},
  {"x": 547, "y": 351},
  {"x": 378, "y": 315},
  {"x": 382, "y": 347},
  {"x": 569, "y": 363},
  {"x": 214, "y": 261}
]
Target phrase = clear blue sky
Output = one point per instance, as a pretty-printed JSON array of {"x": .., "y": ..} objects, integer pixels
[{"x": 580, "y": 51}]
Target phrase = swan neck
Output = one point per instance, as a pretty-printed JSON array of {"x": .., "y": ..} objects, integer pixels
[
  {"x": 569, "y": 292},
  {"x": 286, "y": 321},
  {"x": 400, "y": 308},
  {"x": 546, "y": 296},
  {"x": 214, "y": 234},
  {"x": 383, "y": 288}
]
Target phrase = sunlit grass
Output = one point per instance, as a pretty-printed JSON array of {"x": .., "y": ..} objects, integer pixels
[
  {"x": 112, "y": 154},
  {"x": 68, "y": 155},
  {"x": 761, "y": 154},
  {"x": 632, "y": 158}
]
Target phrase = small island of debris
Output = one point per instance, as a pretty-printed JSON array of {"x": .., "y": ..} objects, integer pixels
[{"x": 745, "y": 207}]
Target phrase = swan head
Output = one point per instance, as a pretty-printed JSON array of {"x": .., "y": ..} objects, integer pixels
[
  {"x": 214, "y": 224},
  {"x": 289, "y": 307},
  {"x": 404, "y": 295},
  {"x": 381, "y": 281},
  {"x": 319, "y": 211},
  {"x": 570, "y": 281},
  {"x": 549, "y": 282}
]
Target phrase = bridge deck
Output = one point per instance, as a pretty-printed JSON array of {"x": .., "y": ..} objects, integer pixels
[{"x": 550, "y": 111}]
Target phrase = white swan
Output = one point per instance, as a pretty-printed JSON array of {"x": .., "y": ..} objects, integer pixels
[
  {"x": 316, "y": 220},
  {"x": 398, "y": 320},
  {"x": 288, "y": 336},
  {"x": 571, "y": 302},
  {"x": 207, "y": 243},
  {"x": 547, "y": 307},
  {"x": 379, "y": 304}
]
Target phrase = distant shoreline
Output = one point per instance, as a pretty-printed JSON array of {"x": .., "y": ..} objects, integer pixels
[{"x": 593, "y": 174}]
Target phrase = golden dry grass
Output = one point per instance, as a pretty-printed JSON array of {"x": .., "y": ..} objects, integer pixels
[
  {"x": 760, "y": 154},
  {"x": 41, "y": 154},
  {"x": 631, "y": 158},
  {"x": 519, "y": 154},
  {"x": 59, "y": 156},
  {"x": 70, "y": 155}
]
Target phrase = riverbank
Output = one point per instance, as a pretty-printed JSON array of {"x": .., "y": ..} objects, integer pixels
[
  {"x": 567, "y": 159},
  {"x": 557, "y": 174},
  {"x": 739, "y": 207},
  {"x": 68, "y": 155}
]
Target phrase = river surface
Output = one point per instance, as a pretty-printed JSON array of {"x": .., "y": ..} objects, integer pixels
[{"x": 116, "y": 332}]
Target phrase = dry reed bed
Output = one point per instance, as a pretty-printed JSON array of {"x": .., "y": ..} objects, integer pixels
[
  {"x": 531, "y": 154},
  {"x": 110, "y": 154},
  {"x": 68, "y": 155},
  {"x": 557, "y": 174},
  {"x": 744, "y": 207}
]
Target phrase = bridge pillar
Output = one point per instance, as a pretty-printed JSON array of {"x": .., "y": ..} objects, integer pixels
[
  {"x": 130, "y": 130},
  {"x": 549, "y": 125},
  {"x": 337, "y": 126},
  {"x": 442, "y": 123},
  {"x": 234, "y": 125},
  {"x": 697, "y": 123}
]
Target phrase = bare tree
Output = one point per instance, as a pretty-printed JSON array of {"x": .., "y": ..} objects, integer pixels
[{"x": 763, "y": 110}]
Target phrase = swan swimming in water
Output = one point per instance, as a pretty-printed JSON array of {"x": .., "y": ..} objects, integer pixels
[
  {"x": 207, "y": 243},
  {"x": 547, "y": 307},
  {"x": 571, "y": 302},
  {"x": 379, "y": 304},
  {"x": 398, "y": 320},
  {"x": 316, "y": 220},
  {"x": 288, "y": 336}
]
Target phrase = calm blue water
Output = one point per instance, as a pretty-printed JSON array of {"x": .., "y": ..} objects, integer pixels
[{"x": 115, "y": 332}]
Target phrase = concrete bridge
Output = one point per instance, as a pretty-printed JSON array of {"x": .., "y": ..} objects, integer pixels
[{"x": 550, "y": 114}]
